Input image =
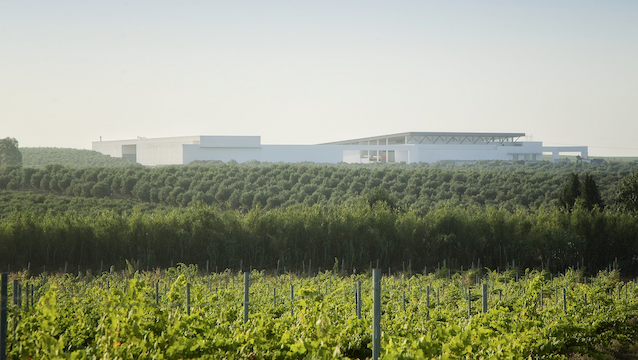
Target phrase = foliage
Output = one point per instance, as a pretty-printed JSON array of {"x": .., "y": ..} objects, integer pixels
[
  {"x": 590, "y": 194},
  {"x": 10, "y": 154},
  {"x": 74, "y": 158},
  {"x": 356, "y": 235},
  {"x": 39, "y": 204},
  {"x": 586, "y": 192},
  {"x": 244, "y": 187},
  {"x": 571, "y": 192},
  {"x": 304, "y": 217},
  {"x": 379, "y": 195},
  {"x": 263, "y": 214},
  {"x": 149, "y": 315},
  {"x": 628, "y": 192}
]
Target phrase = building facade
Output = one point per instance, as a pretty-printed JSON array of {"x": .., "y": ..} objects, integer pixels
[{"x": 410, "y": 147}]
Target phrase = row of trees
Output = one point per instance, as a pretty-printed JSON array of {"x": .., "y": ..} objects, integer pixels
[
  {"x": 40, "y": 204},
  {"x": 268, "y": 186},
  {"x": 294, "y": 238}
]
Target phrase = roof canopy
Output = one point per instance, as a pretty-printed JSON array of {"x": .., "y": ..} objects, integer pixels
[{"x": 434, "y": 138}]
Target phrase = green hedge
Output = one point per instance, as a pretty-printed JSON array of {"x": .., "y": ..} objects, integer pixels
[{"x": 355, "y": 235}]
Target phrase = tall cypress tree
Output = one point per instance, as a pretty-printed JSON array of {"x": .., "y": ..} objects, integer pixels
[
  {"x": 590, "y": 193},
  {"x": 570, "y": 192}
]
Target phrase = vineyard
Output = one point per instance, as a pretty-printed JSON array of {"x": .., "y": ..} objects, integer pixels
[
  {"x": 283, "y": 254},
  {"x": 183, "y": 313}
]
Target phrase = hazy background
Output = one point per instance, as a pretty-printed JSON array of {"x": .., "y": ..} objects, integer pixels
[{"x": 304, "y": 72}]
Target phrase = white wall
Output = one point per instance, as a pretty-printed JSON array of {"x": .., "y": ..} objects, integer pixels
[
  {"x": 183, "y": 150},
  {"x": 230, "y": 141},
  {"x": 150, "y": 152},
  {"x": 332, "y": 153},
  {"x": 352, "y": 156},
  {"x": 160, "y": 153},
  {"x": 111, "y": 148},
  {"x": 301, "y": 153},
  {"x": 223, "y": 148},
  {"x": 434, "y": 153},
  {"x": 267, "y": 153},
  {"x": 402, "y": 156},
  {"x": 239, "y": 154}
]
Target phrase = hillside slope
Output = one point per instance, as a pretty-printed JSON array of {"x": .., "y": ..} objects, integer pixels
[{"x": 75, "y": 158}]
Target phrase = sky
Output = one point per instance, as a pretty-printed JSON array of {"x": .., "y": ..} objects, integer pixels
[{"x": 306, "y": 72}]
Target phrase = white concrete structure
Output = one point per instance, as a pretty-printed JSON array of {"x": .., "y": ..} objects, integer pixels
[
  {"x": 164, "y": 151},
  {"x": 410, "y": 147},
  {"x": 431, "y": 147},
  {"x": 556, "y": 150}
]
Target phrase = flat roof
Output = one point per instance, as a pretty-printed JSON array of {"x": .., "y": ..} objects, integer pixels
[
  {"x": 145, "y": 139},
  {"x": 431, "y": 134}
]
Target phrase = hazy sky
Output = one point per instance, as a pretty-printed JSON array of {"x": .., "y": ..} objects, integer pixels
[{"x": 305, "y": 72}]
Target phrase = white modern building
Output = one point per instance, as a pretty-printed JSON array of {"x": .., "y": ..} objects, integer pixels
[{"x": 409, "y": 147}]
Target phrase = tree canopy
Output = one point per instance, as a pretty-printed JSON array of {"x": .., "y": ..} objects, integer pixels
[
  {"x": 570, "y": 192},
  {"x": 267, "y": 186},
  {"x": 590, "y": 194},
  {"x": 628, "y": 192},
  {"x": 584, "y": 192},
  {"x": 9, "y": 152},
  {"x": 41, "y": 157}
]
